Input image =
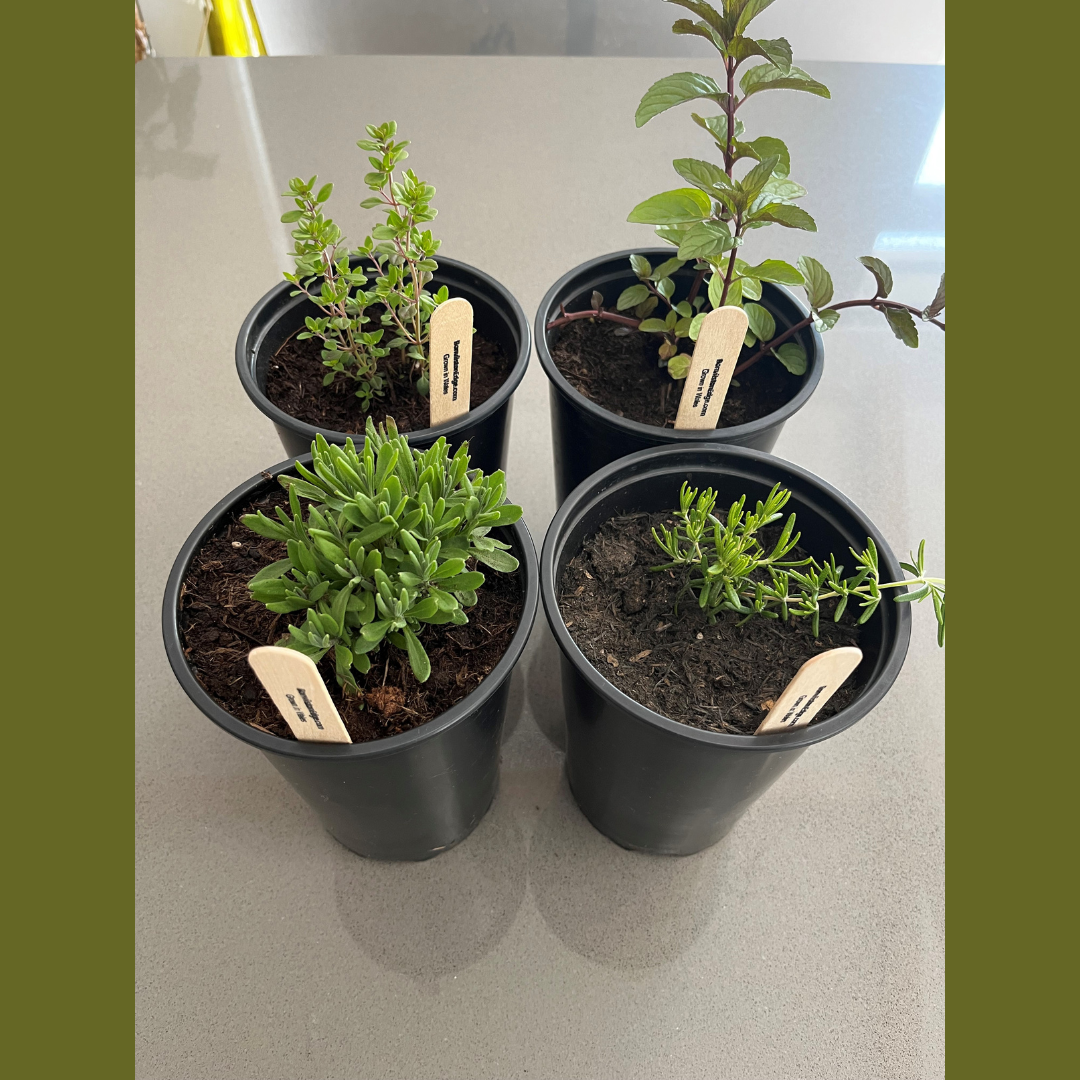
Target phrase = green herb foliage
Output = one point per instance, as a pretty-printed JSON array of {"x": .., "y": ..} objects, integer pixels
[
  {"x": 383, "y": 549},
  {"x": 710, "y": 220},
  {"x": 401, "y": 256},
  {"x": 728, "y": 569},
  {"x": 401, "y": 251},
  {"x": 351, "y": 339}
]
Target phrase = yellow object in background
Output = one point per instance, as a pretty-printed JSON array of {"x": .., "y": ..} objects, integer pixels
[{"x": 234, "y": 30}]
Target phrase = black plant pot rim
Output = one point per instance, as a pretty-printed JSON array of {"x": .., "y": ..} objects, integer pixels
[
  {"x": 393, "y": 744},
  {"x": 278, "y": 297},
  {"x": 579, "y": 499},
  {"x": 724, "y": 434}
]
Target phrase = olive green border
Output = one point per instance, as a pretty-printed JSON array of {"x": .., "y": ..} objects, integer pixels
[
  {"x": 68, "y": 527},
  {"x": 1011, "y": 776},
  {"x": 69, "y": 868}
]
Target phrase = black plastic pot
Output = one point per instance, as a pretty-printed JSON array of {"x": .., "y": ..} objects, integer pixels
[
  {"x": 587, "y": 437},
  {"x": 653, "y": 784},
  {"x": 407, "y": 797},
  {"x": 496, "y": 315}
]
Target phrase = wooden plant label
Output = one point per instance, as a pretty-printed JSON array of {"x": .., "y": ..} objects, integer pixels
[
  {"x": 814, "y": 683},
  {"x": 293, "y": 682},
  {"x": 716, "y": 353},
  {"x": 450, "y": 349}
]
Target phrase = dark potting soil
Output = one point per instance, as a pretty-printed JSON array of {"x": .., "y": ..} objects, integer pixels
[
  {"x": 220, "y": 624},
  {"x": 294, "y": 384},
  {"x": 622, "y": 374},
  {"x": 623, "y": 617}
]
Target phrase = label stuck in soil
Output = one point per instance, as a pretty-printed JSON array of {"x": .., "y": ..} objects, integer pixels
[
  {"x": 715, "y": 355},
  {"x": 294, "y": 684},
  {"x": 450, "y": 350},
  {"x": 814, "y": 683}
]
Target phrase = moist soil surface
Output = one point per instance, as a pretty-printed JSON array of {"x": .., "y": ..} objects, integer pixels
[
  {"x": 623, "y": 617},
  {"x": 220, "y": 624},
  {"x": 294, "y": 384},
  {"x": 622, "y": 374}
]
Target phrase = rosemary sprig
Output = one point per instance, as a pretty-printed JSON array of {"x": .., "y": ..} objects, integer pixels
[{"x": 728, "y": 569}]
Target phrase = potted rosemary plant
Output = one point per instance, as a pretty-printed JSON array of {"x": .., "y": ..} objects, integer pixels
[
  {"x": 615, "y": 335},
  {"x": 345, "y": 337},
  {"x": 410, "y": 582},
  {"x": 683, "y": 615}
]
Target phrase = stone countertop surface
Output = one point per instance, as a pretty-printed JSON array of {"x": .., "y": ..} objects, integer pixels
[{"x": 808, "y": 943}]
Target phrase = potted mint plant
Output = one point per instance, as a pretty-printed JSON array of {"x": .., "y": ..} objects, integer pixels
[
  {"x": 411, "y": 583},
  {"x": 682, "y": 614},
  {"x": 345, "y": 337},
  {"x": 615, "y": 335}
]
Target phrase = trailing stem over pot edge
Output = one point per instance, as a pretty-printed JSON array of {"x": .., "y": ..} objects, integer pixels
[
  {"x": 384, "y": 549},
  {"x": 725, "y": 565},
  {"x": 401, "y": 256},
  {"x": 708, "y": 222}
]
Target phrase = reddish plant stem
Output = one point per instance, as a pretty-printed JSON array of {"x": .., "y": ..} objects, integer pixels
[
  {"x": 731, "y": 262},
  {"x": 696, "y": 287},
  {"x": 610, "y": 316},
  {"x": 729, "y": 110},
  {"x": 877, "y": 303},
  {"x": 730, "y": 107},
  {"x": 657, "y": 293}
]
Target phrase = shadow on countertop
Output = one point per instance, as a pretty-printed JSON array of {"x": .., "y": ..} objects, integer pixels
[
  {"x": 619, "y": 908},
  {"x": 435, "y": 918},
  {"x": 165, "y": 114}
]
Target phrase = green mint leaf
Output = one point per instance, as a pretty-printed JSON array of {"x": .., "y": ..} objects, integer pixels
[
  {"x": 817, "y": 281},
  {"x": 791, "y": 217},
  {"x": 679, "y": 366},
  {"x": 632, "y": 296},
  {"x": 700, "y": 29},
  {"x": 765, "y": 147},
  {"x": 716, "y": 289},
  {"x": 703, "y": 174},
  {"x": 762, "y": 324},
  {"x": 779, "y": 189},
  {"x": 774, "y": 270},
  {"x": 706, "y": 12},
  {"x": 778, "y": 50},
  {"x": 903, "y": 326},
  {"x": 652, "y": 326},
  {"x": 703, "y": 240},
  {"x": 673, "y": 90},
  {"x": 882, "y": 274},
  {"x": 745, "y": 12},
  {"x": 793, "y": 356},
  {"x": 716, "y": 126},
  {"x": 937, "y": 305},
  {"x": 667, "y": 268},
  {"x": 771, "y": 77},
  {"x": 672, "y": 207}
]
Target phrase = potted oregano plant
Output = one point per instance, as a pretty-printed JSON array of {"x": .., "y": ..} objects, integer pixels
[
  {"x": 345, "y": 337},
  {"x": 405, "y": 576},
  {"x": 687, "y": 587},
  {"x": 615, "y": 335}
]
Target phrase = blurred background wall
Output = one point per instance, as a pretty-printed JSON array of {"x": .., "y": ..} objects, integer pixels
[{"x": 875, "y": 31}]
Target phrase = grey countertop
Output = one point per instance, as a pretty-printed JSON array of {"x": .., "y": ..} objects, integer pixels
[{"x": 808, "y": 943}]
